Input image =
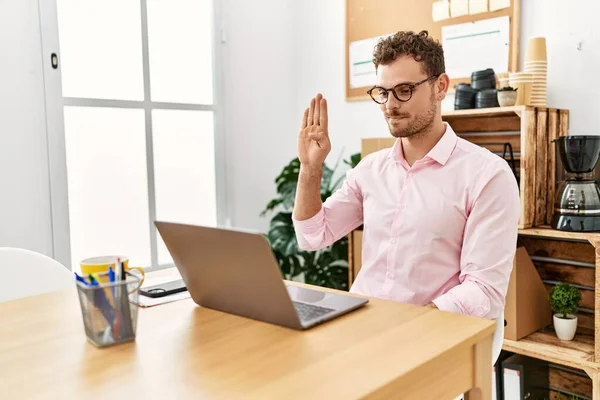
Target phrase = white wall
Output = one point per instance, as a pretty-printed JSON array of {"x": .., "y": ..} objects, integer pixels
[
  {"x": 572, "y": 82},
  {"x": 24, "y": 182},
  {"x": 319, "y": 30},
  {"x": 260, "y": 85}
]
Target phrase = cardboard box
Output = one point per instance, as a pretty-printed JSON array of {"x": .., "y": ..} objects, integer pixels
[
  {"x": 527, "y": 307},
  {"x": 371, "y": 145}
]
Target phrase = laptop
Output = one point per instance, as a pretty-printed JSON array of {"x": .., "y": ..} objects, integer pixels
[{"x": 235, "y": 271}]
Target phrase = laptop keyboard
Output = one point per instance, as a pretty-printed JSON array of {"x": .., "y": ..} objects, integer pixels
[{"x": 308, "y": 312}]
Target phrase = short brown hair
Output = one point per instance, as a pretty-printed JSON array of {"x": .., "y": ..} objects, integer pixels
[{"x": 420, "y": 46}]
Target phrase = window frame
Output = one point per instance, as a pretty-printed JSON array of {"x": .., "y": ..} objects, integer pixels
[{"x": 55, "y": 103}]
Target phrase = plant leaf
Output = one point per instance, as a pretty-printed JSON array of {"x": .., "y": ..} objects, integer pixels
[
  {"x": 288, "y": 194},
  {"x": 282, "y": 235},
  {"x": 326, "y": 180},
  {"x": 324, "y": 270},
  {"x": 286, "y": 183},
  {"x": 290, "y": 266},
  {"x": 289, "y": 174},
  {"x": 271, "y": 206},
  {"x": 354, "y": 160}
]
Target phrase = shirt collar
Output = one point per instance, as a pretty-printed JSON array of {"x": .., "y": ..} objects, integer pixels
[{"x": 440, "y": 152}]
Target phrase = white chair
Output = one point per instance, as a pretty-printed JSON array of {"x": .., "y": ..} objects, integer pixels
[
  {"x": 25, "y": 273},
  {"x": 498, "y": 338}
]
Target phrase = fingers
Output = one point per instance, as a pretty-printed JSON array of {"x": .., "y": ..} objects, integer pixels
[
  {"x": 305, "y": 119},
  {"x": 317, "y": 114},
  {"x": 323, "y": 120}
]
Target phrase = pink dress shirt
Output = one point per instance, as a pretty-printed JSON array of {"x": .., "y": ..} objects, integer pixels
[{"x": 441, "y": 231}]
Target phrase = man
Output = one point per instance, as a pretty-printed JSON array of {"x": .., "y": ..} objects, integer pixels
[{"x": 440, "y": 214}]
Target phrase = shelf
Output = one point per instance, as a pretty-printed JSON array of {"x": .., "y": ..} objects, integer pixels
[
  {"x": 485, "y": 112},
  {"x": 491, "y": 112},
  {"x": 548, "y": 232},
  {"x": 577, "y": 353}
]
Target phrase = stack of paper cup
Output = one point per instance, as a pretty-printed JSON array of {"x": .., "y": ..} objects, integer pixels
[
  {"x": 523, "y": 82},
  {"x": 536, "y": 63},
  {"x": 503, "y": 79}
]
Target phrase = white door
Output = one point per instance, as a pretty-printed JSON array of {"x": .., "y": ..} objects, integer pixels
[
  {"x": 25, "y": 217},
  {"x": 139, "y": 124}
]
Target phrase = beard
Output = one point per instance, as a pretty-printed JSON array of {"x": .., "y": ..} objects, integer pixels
[{"x": 412, "y": 127}]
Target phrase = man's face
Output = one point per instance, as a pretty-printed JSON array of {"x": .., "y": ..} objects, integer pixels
[{"x": 415, "y": 116}]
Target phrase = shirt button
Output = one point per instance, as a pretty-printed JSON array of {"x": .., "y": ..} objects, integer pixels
[
  {"x": 390, "y": 275},
  {"x": 393, "y": 241}
]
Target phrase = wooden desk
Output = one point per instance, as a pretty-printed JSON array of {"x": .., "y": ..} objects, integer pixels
[{"x": 384, "y": 350}]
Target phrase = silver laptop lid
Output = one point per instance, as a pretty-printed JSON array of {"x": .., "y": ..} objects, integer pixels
[{"x": 230, "y": 270}]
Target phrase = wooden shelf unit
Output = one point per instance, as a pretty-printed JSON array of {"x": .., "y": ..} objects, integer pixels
[
  {"x": 486, "y": 112},
  {"x": 578, "y": 353},
  {"x": 572, "y": 257},
  {"x": 547, "y": 232}
]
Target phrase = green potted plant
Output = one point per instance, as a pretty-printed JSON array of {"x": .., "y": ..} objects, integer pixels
[
  {"x": 507, "y": 96},
  {"x": 327, "y": 267},
  {"x": 565, "y": 300}
]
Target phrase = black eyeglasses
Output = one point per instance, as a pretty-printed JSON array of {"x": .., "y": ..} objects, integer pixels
[{"x": 402, "y": 92}]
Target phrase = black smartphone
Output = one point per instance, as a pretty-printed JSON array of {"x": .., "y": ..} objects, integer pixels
[{"x": 164, "y": 289}]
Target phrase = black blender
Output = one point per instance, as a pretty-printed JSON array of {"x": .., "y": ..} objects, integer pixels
[{"x": 577, "y": 202}]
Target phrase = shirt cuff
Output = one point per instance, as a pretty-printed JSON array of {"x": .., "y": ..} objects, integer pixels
[
  {"x": 444, "y": 303},
  {"x": 308, "y": 225},
  {"x": 464, "y": 299}
]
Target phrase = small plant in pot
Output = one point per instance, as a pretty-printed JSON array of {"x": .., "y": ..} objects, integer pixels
[
  {"x": 507, "y": 96},
  {"x": 565, "y": 299}
]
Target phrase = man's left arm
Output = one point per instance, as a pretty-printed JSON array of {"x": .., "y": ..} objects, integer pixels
[{"x": 489, "y": 246}]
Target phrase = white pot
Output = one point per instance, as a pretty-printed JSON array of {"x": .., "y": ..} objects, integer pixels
[
  {"x": 507, "y": 98},
  {"x": 565, "y": 327}
]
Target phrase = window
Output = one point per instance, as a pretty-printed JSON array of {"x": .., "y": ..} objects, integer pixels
[{"x": 137, "y": 81}]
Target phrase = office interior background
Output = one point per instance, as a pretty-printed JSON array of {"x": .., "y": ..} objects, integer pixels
[
  {"x": 117, "y": 113},
  {"x": 188, "y": 110}
]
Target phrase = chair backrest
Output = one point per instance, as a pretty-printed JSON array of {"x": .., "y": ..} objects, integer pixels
[
  {"x": 498, "y": 339},
  {"x": 25, "y": 273}
]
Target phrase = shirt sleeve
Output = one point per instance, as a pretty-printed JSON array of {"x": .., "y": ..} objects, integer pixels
[
  {"x": 488, "y": 251},
  {"x": 340, "y": 214}
]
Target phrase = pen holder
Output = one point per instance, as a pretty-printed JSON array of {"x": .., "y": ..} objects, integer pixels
[{"x": 109, "y": 317}]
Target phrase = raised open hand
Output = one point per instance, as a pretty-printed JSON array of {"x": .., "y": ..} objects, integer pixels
[{"x": 313, "y": 138}]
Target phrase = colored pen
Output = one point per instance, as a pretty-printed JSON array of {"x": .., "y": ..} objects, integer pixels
[
  {"x": 124, "y": 311},
  {"x": 122, "y": 270},
  {"x": 118, "y": 270},
  {"x": 80, "y": 279},
  {"x": 93, "y": 280},
  {"x": 119, "y": 315},
  {"x": 102, "y": 302},
  {"x": 111, "y": 277}
]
